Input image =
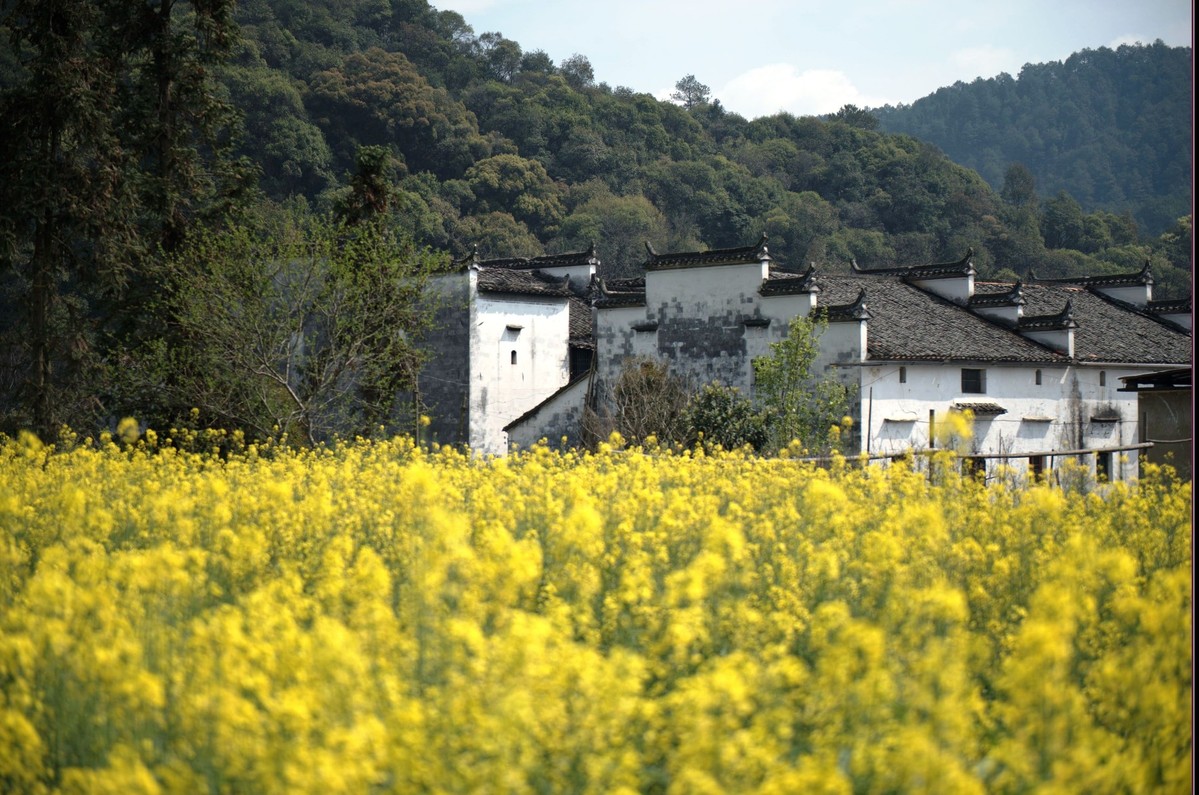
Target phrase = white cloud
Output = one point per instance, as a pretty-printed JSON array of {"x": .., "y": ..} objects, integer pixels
[{"x": 769, "y": 89}]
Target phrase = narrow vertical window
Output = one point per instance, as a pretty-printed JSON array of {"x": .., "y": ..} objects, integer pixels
[
  {"x": 1103, "y": 465},
  {"x": 1036, "y": 467},
  {"x": 903, "y": 375},
  {"x": 514, "y": 357},
  {"x": 1103, "y": 378},
  {"x": 1038, "y": 377},
  {"x": 932, "y": 428}
]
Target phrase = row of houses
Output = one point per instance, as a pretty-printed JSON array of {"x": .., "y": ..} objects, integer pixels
[{"x": 1048, "y": 367}]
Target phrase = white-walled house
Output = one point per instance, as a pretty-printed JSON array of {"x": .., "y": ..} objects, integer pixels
[
  {"x": 508, "y": 334},
  {"x": 1038, "y": 363}
]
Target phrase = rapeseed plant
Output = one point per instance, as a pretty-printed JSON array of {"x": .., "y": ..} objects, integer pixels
[{"x": 184, "y": 612}]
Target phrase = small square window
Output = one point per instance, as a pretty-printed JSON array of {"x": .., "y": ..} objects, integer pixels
[
  {"x": 974, "y": 381},
  {"x": 1036, "y": 467},
  {"x": 903, "y": 375}
]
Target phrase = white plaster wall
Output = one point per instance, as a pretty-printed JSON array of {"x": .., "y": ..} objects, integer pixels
[
  {"x": 616, "y": 340},
  {"x": 704, "y": 291},
  {"x": 1135, "y": 294},
  {"x": 897, "y": 415},
  {"x": 958, "y": 289},
  {"x": 1180, "y": 318},
  {"x": 499, "y": 390},
  {"x": 554, "y": 420}
]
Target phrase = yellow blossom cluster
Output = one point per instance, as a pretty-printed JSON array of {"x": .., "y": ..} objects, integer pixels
[{"x": 383, "y": 617}]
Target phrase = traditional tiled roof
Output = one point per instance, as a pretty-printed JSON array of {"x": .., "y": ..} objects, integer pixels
[
  {"x": 1141, "y": 277},
  {"x": 1177, "y": 378},
  {"x": 852, "y": 310},
  {"x": 980, "y": 409},
  {"x": 786, "y": 283},
  {"x": 520, "y": 282},
  {"x": 1179, "y": 306},
  {"x": 699, "y": 259},
  {"x": 988, "y": 295},
  {"x": 945, "y": 270},
  {"x": 1109, "y": 331},
  {"x": 587, "y": 257},
  {"x": 581, "y": 326},
  {"x": 1055, "y": 321},
  {"x": 619, "y": 292},
  {"x": 910, "y": 324}
]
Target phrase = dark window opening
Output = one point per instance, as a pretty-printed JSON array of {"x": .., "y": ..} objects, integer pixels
[
  {"x": 580, "y": 361},
  {"x": 903, "y": 375},
  {"x": 1038, "y": 378},
  {"x": 1103, "y": 466},
  {"x": 1103, "y": 378},
  {"x": 514, "y": 357},
  {"x": 974, "y": 381},
  {"x": 974, "y": 467},
  {"x": 1036, "y": 467}
]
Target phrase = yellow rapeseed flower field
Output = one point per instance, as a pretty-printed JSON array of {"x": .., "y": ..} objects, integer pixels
[{"x": 204, "y": 615}]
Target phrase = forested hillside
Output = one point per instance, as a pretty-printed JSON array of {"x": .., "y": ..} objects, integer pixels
[
  {"x": 155, "y": 159},
  {"x": 1110, "y": 127}
]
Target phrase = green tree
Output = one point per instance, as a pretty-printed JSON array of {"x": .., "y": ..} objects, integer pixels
[
  {"x": 378, "y": 98},
  {"x": 496, "y": 235},
  {"x": 510, "y": 183},
  {"x": 577, "y": 71},
  {"x": 689, "y": 92},
  {"x": 1062, "y": 223},
  {"x": 1019, "y": 186},
  {"x": 298, "y": 324},
  {"x": 176, "y": 122},
  {"x": 799, "y": 403},
  {"x": 59, "y": 187},
  {"x": 372, "y": 189},
  {"x": 720, "y": 414},
  {"x": 856, "y": 117},
  {"x": 619, "y": 226}
]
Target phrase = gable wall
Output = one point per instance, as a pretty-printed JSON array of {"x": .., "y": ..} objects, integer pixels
[{"x": 501, "y": 391}]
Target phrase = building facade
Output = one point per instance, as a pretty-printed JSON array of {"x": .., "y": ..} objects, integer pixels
[
  {"x": 508, "y": 334},
  {"x": 1038, "y": 363}
]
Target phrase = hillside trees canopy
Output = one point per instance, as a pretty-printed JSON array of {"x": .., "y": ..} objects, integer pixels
[
  {"x": 1113, "y": 128},
  {"x": 123, "y": 135},
  {"x": 114, "y": 141}
]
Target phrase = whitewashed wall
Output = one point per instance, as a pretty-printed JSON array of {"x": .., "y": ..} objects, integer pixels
[
  {"x": 537, "y": 331},
  {"x": 1056, "y": 415}
]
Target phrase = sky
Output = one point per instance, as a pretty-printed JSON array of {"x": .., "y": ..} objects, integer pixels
[{"x": 811, "y": 57}]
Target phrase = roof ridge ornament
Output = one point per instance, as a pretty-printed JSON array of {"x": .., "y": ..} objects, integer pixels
[
  {"x": 854, "y": 310},
  {"x": 1063, "y": 319},
  {"x": 468, "y": 259},
  {"x": 1143, "y": 277}
]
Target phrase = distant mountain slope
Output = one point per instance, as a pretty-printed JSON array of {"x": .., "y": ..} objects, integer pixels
[{"x": 1110, "y": 127}]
